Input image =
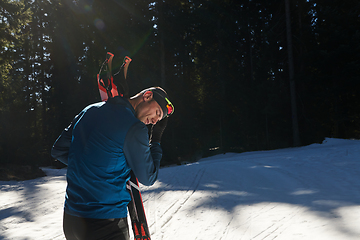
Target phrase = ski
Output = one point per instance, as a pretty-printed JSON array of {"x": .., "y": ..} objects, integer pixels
[
  {"x": 105, "y": 79},
  {"x": 107, "y": 89},
  {"x": 137, "y": 211}
]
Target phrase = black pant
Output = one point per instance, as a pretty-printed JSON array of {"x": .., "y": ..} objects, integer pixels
[{"x": 76, "y": 228}]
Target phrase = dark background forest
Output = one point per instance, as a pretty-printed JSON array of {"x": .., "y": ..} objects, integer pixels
[{"x": 243, "y": 75}]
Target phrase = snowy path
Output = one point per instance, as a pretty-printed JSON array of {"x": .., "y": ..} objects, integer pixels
[
  {"x": 311, "y": 192},
  {"x": 32, "y": 209}
]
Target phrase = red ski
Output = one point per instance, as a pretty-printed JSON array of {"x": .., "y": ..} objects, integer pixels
[
  {"x": 137, "y": 210},
  {"x": 108, "y": 89}
]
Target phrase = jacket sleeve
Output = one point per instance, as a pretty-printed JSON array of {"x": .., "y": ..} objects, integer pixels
[
  {"x": 60, "y": 149},
  {"x": 143, "y": 159}
]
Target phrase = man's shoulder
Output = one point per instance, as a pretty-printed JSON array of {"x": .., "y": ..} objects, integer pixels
[{"x": 120, "y": 101}]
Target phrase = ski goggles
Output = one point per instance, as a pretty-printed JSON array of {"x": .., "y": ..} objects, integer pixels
[
  {"x": 165, "y": 104},
  {"x": 169, "y": 106}
]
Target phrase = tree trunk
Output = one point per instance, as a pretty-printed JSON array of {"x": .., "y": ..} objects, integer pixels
[
  {"x": 295, "y": 125},
  {"x": 161, "y": 42}
]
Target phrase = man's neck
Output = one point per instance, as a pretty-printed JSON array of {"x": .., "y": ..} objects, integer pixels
[{"x": 135, "y": 101}]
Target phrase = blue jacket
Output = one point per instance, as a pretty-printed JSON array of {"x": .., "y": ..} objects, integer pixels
[{"x": 101, "y": 146}]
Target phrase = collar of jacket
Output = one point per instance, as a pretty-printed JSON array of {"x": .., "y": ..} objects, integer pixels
[{"x": 121, "y": 101}]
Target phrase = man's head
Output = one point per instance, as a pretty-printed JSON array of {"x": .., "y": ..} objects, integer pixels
[{"x": 151, "y": 105}]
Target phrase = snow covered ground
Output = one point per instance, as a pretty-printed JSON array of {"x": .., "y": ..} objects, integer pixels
[{"x": 311, "y": 192}]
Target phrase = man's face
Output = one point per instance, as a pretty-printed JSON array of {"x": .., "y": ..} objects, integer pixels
[{"x": 149, "y": 112}]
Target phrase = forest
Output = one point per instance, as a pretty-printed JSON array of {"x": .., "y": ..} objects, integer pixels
[{"x": 243, "y": 75}]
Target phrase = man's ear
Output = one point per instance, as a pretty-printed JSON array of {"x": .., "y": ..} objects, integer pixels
[{"x": 147, "y": 96}]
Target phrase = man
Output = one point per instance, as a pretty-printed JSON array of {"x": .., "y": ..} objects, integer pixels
[{"x": 101, "y": 146}]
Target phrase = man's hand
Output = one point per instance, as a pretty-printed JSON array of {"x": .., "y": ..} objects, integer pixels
[{"x": 158, "y": 130}]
